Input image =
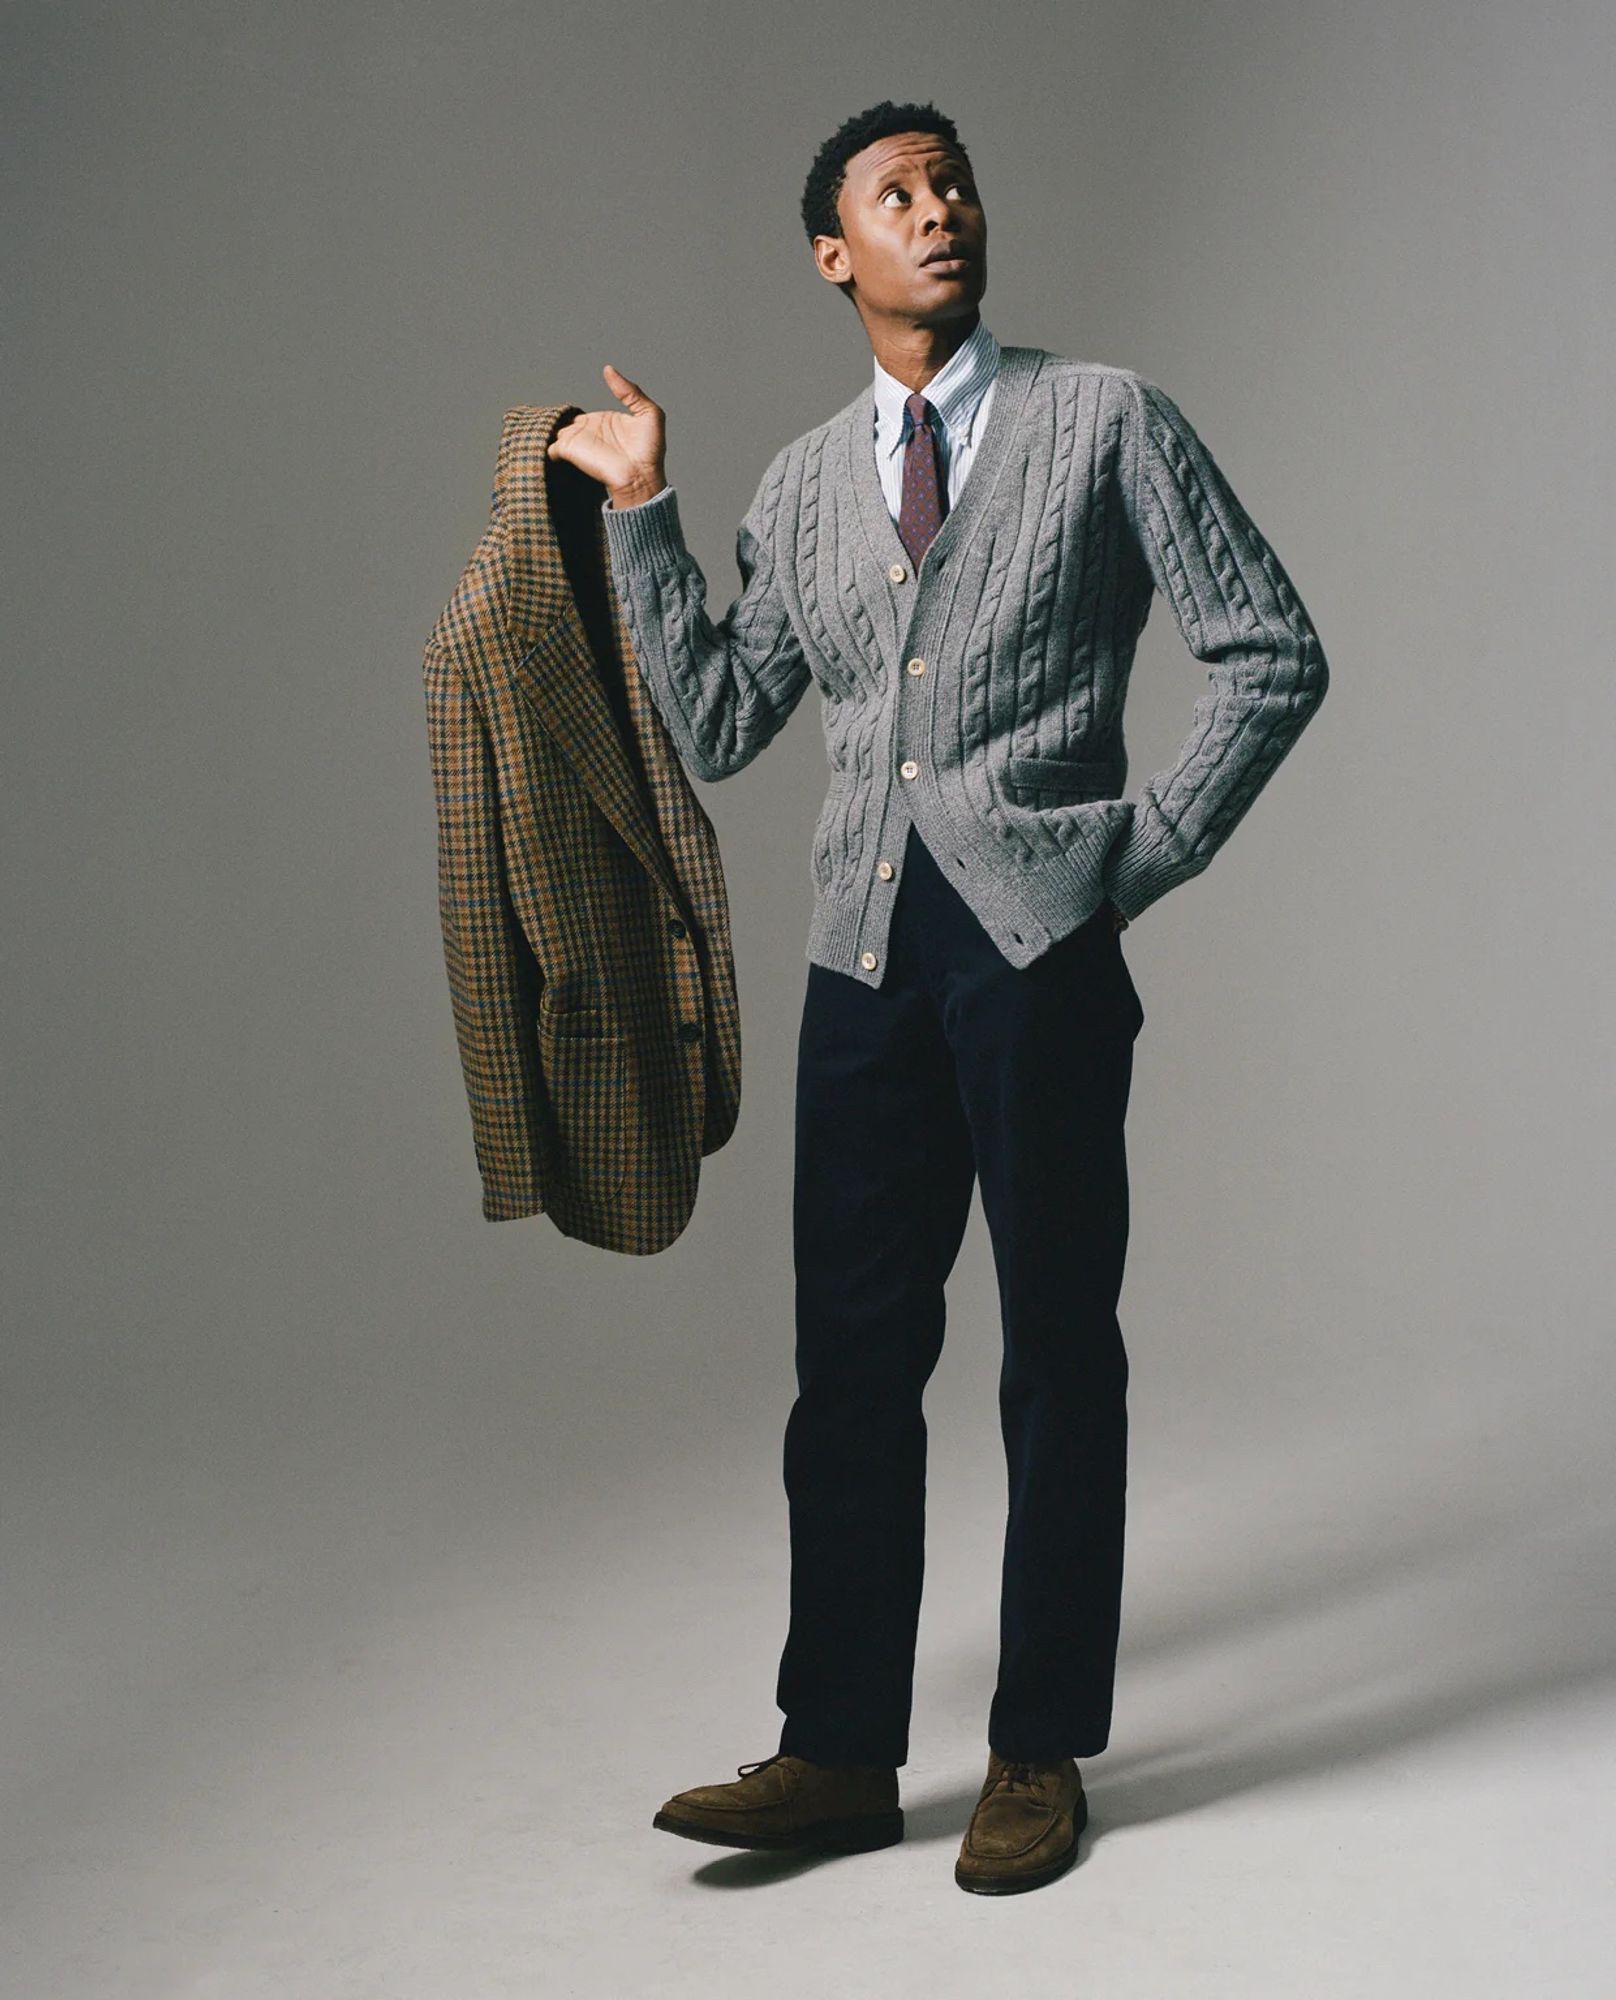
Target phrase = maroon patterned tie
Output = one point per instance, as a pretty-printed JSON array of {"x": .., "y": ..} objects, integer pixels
[{"x": 925, "y": 501}]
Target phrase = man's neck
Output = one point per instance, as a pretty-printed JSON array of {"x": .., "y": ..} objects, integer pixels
[{"x": 914, "y": 355}]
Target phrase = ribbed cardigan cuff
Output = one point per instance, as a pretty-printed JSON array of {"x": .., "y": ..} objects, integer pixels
[
  {"x": 649, "y": 536},
  {"x": 1144, "y": 867}
]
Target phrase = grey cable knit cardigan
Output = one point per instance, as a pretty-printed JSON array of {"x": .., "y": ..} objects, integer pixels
[{"x": 982, "y": 698}]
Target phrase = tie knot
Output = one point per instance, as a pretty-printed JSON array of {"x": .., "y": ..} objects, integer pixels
[{"x": 920, "y": 411}]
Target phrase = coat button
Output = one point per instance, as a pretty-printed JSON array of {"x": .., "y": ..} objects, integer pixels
[
  {"x": 676, "y": 926},
  {"x": 690, "y": 1031},
  {"x": 897, "y": 572},
  {"x": 868, "y": 961},
  {"x": 917, "y": 666},
  {"x": 909, "y": 768},
  {"x": 884, "y": 870}
]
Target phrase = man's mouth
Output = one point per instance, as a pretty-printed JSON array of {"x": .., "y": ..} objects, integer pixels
[{"x": 950, "y": 256}]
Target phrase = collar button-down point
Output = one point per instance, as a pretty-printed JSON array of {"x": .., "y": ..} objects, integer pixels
[
  {"x": 868, "y": 961},
  {"x": 897, "y": 572},
  {"x": 884, "y": 870},
  {"x": 917, "y": 666},
  {"x": 909, "y": 768}
]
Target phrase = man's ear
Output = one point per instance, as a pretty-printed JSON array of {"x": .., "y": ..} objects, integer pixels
[{"x": 830, "y": 255}]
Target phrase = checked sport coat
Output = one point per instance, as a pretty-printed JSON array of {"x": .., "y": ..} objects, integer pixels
[{"x": 582, "y": 898}]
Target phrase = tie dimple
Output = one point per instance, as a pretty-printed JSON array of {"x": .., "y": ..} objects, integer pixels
[{"x": 925, "y": 502}]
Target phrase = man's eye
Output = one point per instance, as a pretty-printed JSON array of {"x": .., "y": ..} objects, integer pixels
[{"x": 964, "y": 187}]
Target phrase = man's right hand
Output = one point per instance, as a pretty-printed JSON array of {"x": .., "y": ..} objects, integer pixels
[{"x": 623, "y": 449}]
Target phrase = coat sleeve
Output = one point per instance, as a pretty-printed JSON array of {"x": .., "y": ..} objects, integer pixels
[
  {"x": 725, "y": 691},
  {"x": 1238, "y": 613},
  {"x": 494, "y": 979}
]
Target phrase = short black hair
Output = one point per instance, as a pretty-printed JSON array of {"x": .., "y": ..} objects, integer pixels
[{"x": 881, "y": 121}]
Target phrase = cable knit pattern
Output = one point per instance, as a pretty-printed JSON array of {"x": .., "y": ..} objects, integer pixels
[{"x": 983, "y": 699}]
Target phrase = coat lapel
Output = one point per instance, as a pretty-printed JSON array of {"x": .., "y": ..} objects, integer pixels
[{"x": 555, "y": 664}]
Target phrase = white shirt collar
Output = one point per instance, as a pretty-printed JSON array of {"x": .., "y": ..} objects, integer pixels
[{"x": 955, "y": 392}]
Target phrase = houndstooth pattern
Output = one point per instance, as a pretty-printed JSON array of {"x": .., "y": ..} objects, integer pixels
[{"x": 581, "y": 893}]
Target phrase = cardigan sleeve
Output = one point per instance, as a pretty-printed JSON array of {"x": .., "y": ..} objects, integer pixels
[
  {"x": 1241, "y": 616},
  {"x": 725, "y": 690}
]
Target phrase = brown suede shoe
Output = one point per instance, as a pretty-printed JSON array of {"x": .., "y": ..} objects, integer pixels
[
  {"x": 1025, "y": 1827},
  {"x": 785, "y": 1801}
]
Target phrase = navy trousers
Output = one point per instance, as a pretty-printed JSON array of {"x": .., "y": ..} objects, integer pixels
[{"x": 958, "y": 1067}]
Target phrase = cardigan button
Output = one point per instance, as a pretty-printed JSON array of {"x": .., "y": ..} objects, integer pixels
[
  {"x": 897, "y": 572},
  {"x": 909, "y": 768},
  {"x": 917, "y": 666},
  {"x": 868, "y": 961},
  {"x": 884, "y": 870}
]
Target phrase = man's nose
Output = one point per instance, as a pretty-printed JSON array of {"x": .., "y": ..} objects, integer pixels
[{"x": 934, "y": 213}]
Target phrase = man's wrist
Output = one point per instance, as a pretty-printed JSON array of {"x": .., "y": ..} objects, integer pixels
[{"x": 637, "y": 492}]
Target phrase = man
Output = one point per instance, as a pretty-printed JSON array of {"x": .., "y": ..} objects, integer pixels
[{"x": 962, "y": 559}]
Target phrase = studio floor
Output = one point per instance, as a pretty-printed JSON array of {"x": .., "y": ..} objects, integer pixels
[{"x": 371, "y": 1688}]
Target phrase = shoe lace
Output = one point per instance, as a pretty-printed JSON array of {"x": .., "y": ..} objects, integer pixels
[
  {"x": 1016, "y": 1771},
  {"x": 762, "y": 1764}
]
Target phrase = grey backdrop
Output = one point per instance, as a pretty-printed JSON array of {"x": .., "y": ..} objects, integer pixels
[{"x": 372, "y": 1572}]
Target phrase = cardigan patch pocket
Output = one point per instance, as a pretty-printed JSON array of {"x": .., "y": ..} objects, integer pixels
[
  {"x": 1058, "y": 780},
  {"x": 585, "y": 1080}
]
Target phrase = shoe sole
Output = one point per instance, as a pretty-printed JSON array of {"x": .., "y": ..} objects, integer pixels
[
  {"x": 1008, "y": 1885},
  {"x": 833, "y": 1836}
]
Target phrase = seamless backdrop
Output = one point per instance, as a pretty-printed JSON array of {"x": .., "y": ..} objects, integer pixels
[{"x": 371, "y": 1573}]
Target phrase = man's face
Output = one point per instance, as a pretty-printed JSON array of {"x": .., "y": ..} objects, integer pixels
[{"x": 904, "y": 198}]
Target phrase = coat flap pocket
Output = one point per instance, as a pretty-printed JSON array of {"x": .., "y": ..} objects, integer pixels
[{"x": 571, "y": 1022}]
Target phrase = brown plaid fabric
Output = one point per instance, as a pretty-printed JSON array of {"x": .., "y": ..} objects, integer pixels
[{"x": 585, "y": 919}]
